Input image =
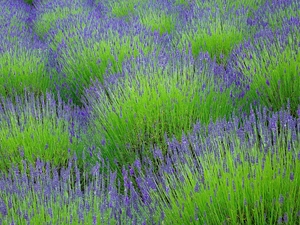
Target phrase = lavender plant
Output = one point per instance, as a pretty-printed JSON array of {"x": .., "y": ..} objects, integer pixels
[
  {"x": 232, "y": 178},
  {"x": 24, "y": 69},
  {"x": 49, "y": 12},
  {"x": 33, "y": 128},
  {"x": 270, "y": 68},
  {"x": 55, "y": 197},
  {"x": 214, "y": 175},
  {"x": 226, "y": 6},
  {"x": 91, "y": 59},
  {"x": 276, "y": 14},
  {"x": 239, "y": 171},
  {"x": 13, "y": 21},
  {"x": 213, "y": 33},
  {"x": 54, "y": 200},
  {"x": 182, "y": 2},
  {"x": 23, "y": 58},
  {"x": 158, "y": 20},
  {"x": 150, "y": 102},
  {"x": 126, "y": 9},
  {"x": 17, "y": 8},
  {"x": 68, "y": 33}
]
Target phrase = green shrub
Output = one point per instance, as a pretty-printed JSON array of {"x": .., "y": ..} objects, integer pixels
[
  {"x": 86, "y": 61},
  {"x": 217, "y": 36},
  {"x": 29, "y": 132},
  {"x": 143, "y": 108},
  {"x": 232, "y": 188},
  {"x": 24, "y": 68},
  {"x": 272, "y": 68},
  {"x": 158, "y": 21},
  {"x": 46, "y": 20}
]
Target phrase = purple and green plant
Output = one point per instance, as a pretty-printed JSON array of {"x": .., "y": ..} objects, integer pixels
[
  {"x": 33, "y": 128},
  {"x": 149, "y": 102},
  {"x": 14, "y": 29},
  {"x": 238, "y": 170},
  {"x": 89, "y": 59},
  {"x": 276, "y": 14},
  {"x": 226, "y": 6},
  {"x": 158, "y": 20},
  {"x": 182, "y": 2},
  {"x": 24, "y": 68},
  {"x": 218, "y": 173},
  {"x": 213, "y": 33},
  {"x": 122, "y": 9},
  {"x": 270, "y": 67},
  {"x": 49, "y": 12},
  {"x": 55, "y": 197},
  {"x": 232, "y": 177}
]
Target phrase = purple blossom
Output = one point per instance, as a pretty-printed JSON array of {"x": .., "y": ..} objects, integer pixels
[
  {"x": 281, "y": 199},
  {"x": 3, "y": 209},
  {"x": 285, "y": 218},
  {"x": 196, "y": 189},
  {"x": 292, "y": 176},
  {"x": 158, "y": 154},
  {"x": 94, "y": 220}
]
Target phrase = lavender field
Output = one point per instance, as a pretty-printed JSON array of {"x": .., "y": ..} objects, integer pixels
[{"x": 149, "y": 112}]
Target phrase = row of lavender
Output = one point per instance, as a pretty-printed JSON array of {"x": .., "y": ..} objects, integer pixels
[
  {"x": 224, "y": 173},
  {"x": 143, "y": 87},
  {"x": 71, "y": 43}
]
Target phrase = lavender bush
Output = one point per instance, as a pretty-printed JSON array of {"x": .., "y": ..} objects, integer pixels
[
  {"x": 225, "y": 6},
  {"x": 220, "y": 173},
  {"x": 23, "y": 59},
  {"x": 121, "y": 9},
  {"x": 49, "y": 11},
  {"x": 146, "y": 104},
  {"x": 231, "y": 176},
  {"x": 270, "y": 68},
  {"x": 95, "y": 58},
  {"x": 213, "y": 32},
  {"x": 158, "y": 20},
  {"x": 86, "y": 51},
  {"x": 275, "y": 14},
  {"x": 33, "y": 127},
  {"x": 24, "y": 69}
]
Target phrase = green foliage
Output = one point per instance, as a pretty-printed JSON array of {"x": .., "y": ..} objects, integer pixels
[
  {"x": 273, "y": 73},
  {"x": 243, "y": 193},
  {"x": 141, "y": 110},
  {"x": 158, "y": 21},
  {"x": 47, "y": 20},
  {"x": 84, "y": 62},
  {"x": 225, "y": 5},
  {"x": 276, "y": 19},
  {"x": 123, "y": 9},
  {"x": 23, "y": 68},
  {"x": 28, "y": 1},
  {"x": 27, "y": 137},
  {"x": 61, "y": 209},
  {"x": 182, "y": 2},
  {"x": 218, "y": 39}
]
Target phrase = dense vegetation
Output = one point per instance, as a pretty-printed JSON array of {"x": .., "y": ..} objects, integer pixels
[{"x": 149, "y": 112}]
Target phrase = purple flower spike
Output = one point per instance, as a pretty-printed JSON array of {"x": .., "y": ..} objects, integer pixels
[
  {"x": 3, "y": 209},
  {"x": 285, "y": 218},
  {"x": 292, "y": 176}
]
